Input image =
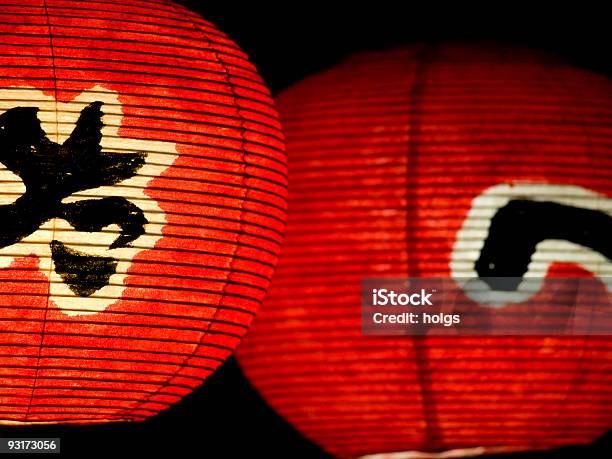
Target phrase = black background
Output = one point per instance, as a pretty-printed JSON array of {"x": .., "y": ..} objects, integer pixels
[{"x": 225, "y": 417}]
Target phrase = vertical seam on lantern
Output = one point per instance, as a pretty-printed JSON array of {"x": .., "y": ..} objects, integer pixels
[
  {"x": 206, "y": 332},
  {"x": 48, "y": 299},
  {"x": 415, "y": 96}
]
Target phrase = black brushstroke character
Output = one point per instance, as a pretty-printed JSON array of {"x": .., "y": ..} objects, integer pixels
[
  {"x": 520, "y": 225},
  {"x": 52, "y": 172}
]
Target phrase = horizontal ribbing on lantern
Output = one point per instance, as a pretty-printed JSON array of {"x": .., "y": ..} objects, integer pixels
[
  {"x": 387, "y": 152},
  {"x": 219, "y": 221}
]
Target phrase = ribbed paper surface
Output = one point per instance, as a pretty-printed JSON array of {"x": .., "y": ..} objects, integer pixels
[
  {"x": 391, "y": 155},
  {"x": 213, "y": 191}
]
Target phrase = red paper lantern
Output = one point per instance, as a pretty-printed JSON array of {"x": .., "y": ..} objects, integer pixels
[
  {"x": 142, "y": 196},
  {"x": 398, "y": 160}
]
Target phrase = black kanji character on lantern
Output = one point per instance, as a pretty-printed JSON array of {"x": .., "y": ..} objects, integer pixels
[
  {"x": 52, "y": 172},
  {"x": 517, "y": 228}
]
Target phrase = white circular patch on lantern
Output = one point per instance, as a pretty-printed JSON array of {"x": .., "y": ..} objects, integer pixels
[
  {"x": 475, "y": 229},
  {"x": 58, "y": 120}
]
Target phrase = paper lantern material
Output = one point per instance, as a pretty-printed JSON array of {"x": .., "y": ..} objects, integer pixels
[
  {"x": 389, "y": 153},
  {"x": 143, "y": 185}
]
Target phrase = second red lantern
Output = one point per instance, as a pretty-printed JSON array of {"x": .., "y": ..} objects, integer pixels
[{"x": 399, "y": 161}]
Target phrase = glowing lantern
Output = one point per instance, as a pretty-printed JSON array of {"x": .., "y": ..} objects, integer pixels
[
  {"x": 142, "y": 196},
  {"x": 400, "y": 160}
]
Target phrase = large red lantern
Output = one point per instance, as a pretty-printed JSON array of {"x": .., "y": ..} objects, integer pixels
[
  {"x": 399, "y": 160},
  {"x": 142, "y": 195}
]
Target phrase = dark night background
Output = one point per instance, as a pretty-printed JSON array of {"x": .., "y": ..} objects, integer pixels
[{"x": 225, "y": 418}]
